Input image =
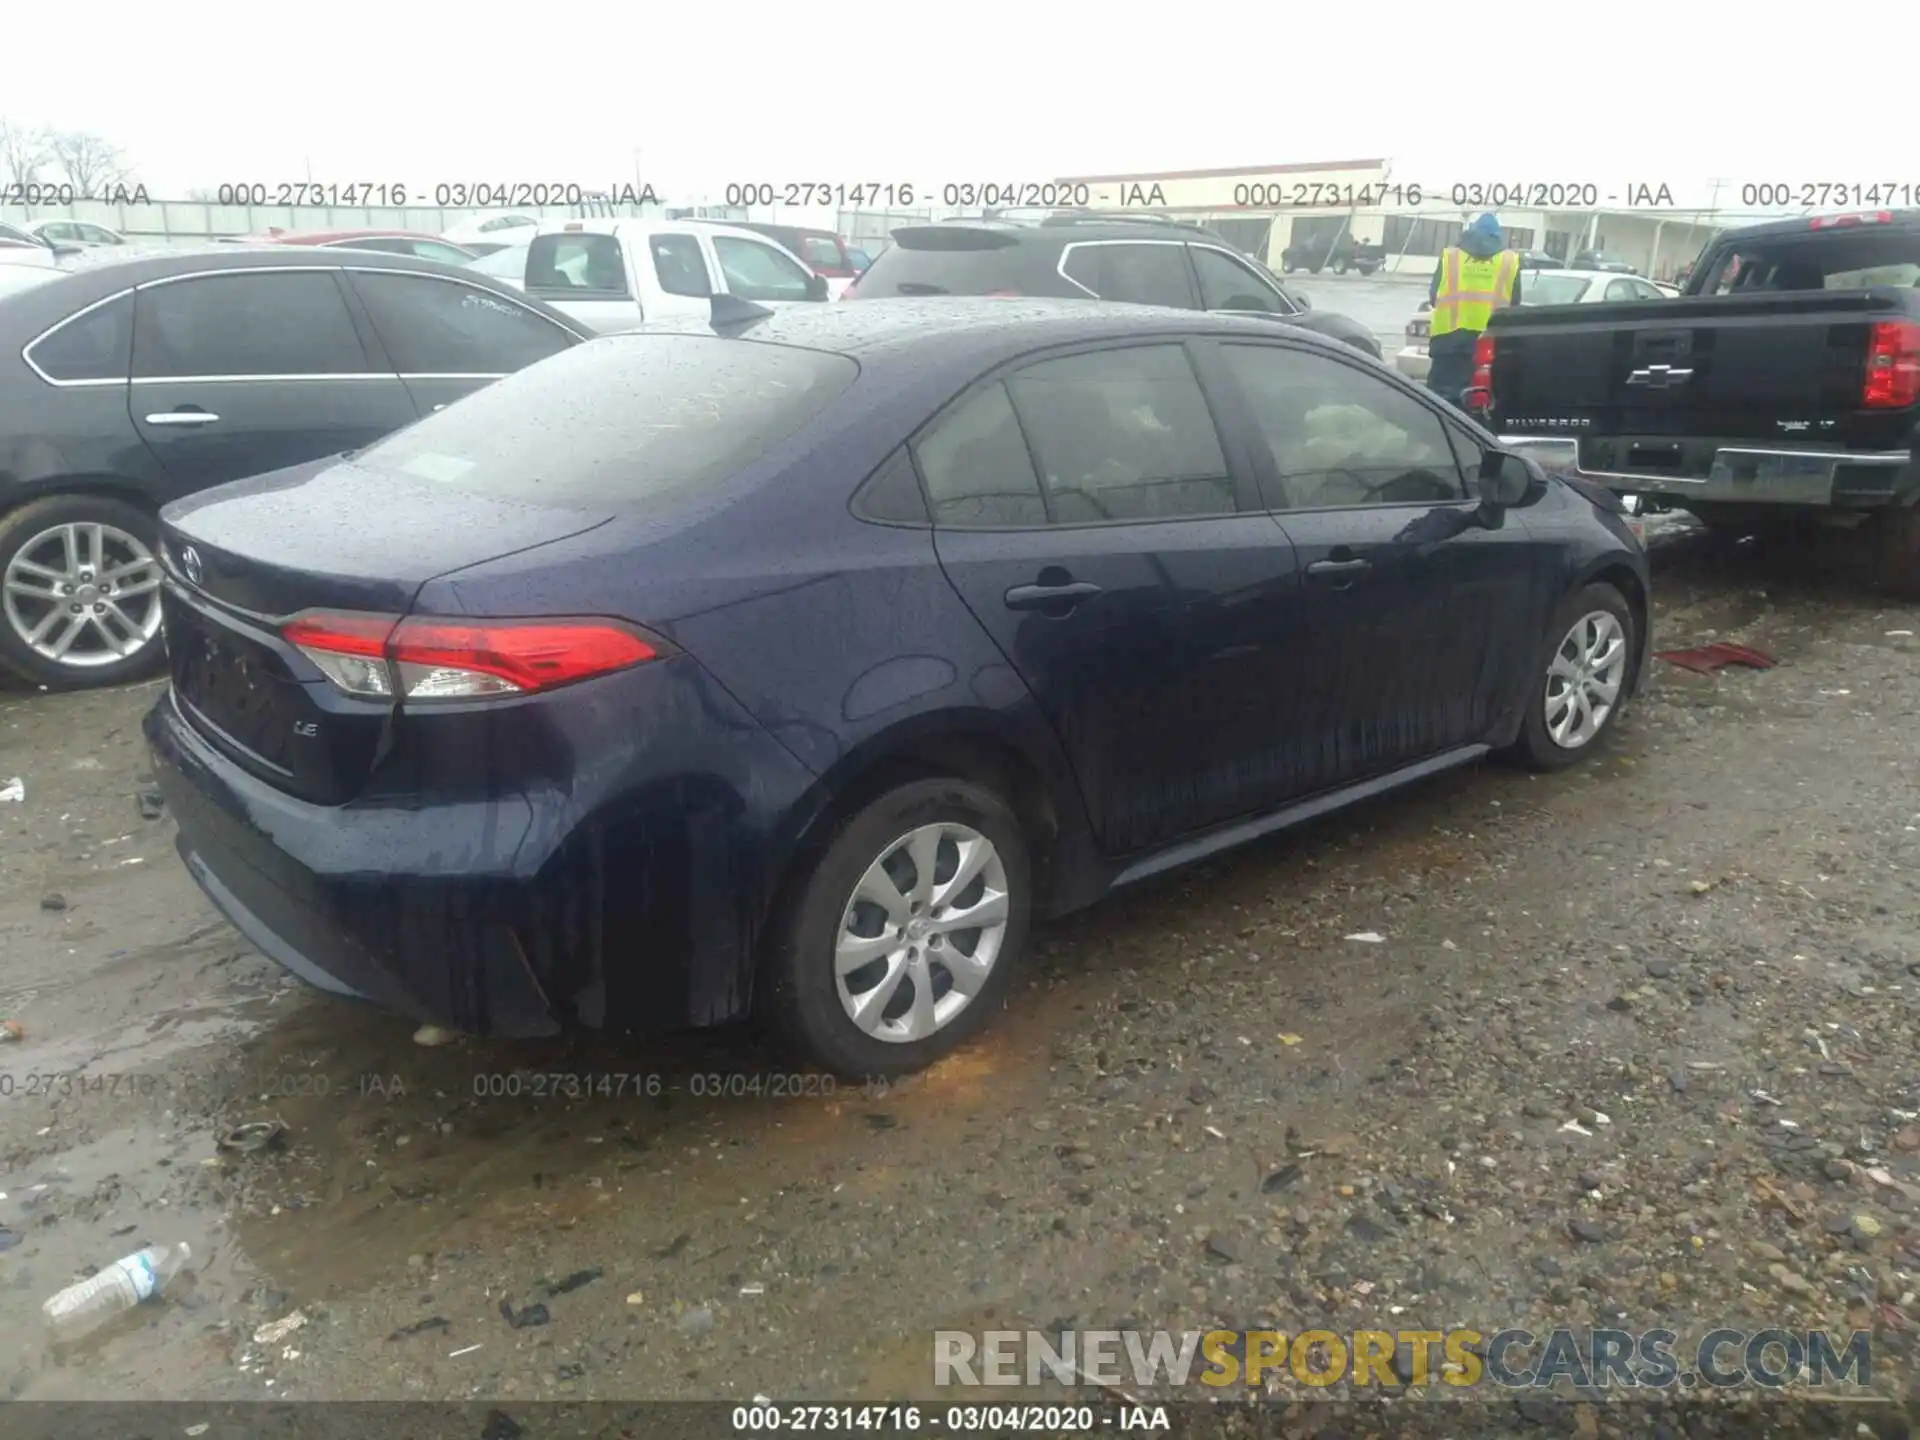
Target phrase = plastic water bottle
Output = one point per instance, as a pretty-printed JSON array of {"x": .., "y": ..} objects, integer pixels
[{"x": 121, "y": 1286}]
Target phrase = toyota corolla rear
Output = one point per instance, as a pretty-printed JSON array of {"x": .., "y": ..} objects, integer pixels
[{"x": 407, "y": 765}]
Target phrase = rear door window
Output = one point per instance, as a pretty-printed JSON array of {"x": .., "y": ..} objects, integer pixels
[
  {"x": 649, "y": 420},
  {"x": 442, "y": 327},
  {"x": 679, "y": 266},
  {"x": 1139, "y": 274},
  {"x": 577, "y": 265},
  {"x": 439, "y": 250},
  {"x": 1123, "y": 435},
  {"x": 975, "y": 462},
  {"x": 1228, "y": 284},
  {"x": 241, "y": 323},
  {"x": 759, "y": 272},
  {"x": 91, "y": 346}
]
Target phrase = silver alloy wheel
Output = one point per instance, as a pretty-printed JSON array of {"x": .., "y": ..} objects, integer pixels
[
  {"x": 921, "y": 932},
  {"x": 1584, "y": 678},
  {"x": 83, "y": 594}
]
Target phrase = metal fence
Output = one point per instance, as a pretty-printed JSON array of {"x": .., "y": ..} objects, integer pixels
[{"x": 192, "y": 222}]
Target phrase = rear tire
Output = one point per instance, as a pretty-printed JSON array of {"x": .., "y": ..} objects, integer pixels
[
  {"x": 1894, "y": 536},
  {"x": 864, "y": 933},
  {"x": 81, "y": 541},
  {"x": 1573, "y": 674}
]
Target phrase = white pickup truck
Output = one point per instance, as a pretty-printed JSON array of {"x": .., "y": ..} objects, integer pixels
[{"x": 615, "y": 274}]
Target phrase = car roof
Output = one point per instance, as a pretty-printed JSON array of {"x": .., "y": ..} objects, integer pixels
[
  {"x": 978, "y": 331},
  {"x": 1069, "y": 230},
  {"x": 1804, "y": 224},
  {"x": 1594, "y": 274},
  {"x": 638, "y": 229},
  {"x": 322, "y": 237},
  {"x": 96, "y": 273}
]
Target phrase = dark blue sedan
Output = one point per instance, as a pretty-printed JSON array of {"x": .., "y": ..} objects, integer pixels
[{"x": 795, "y": 666}]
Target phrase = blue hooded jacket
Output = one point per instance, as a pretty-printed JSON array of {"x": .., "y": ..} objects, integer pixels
[{"x": 1482, "y": 239}]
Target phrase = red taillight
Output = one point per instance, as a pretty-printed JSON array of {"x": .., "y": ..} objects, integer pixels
[
  {"x": 419, "y": 658},
  {"x": 1479, "y": 392},
  {"x": 1893, "y": 365},
  {"x": 1841, "y": 222}
]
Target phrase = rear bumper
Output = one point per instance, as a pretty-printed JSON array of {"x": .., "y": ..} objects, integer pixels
[
  {"x": 1743, "y": 475},
  {"x": 1412, "y": 361},
  {"x": 628, "y": 897}
]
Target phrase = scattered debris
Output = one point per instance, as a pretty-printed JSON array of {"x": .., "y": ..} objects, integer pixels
[
  {"x": 1705, "y": 659},
  {"x": 253, "y": 1137},
  {"x": 1281, "y": 1178},
  {"x": 421, "y": 1327},
  {"x": 636, "y": 1297},
  {"x": 435, "y": 1035},
  {"x": 456, "y": 1354},
  {"x": 8, "y": 1238},
  {"x": 754, "y": 1289},
  {"x": 53, "y": 901},
  {"x": 1574, "y": 1127},
  {"x": 535, "y": 1314},
  {"x": 1289, "y": 1038},
  {"x": 279, "y": 1329},
  {"x": 14, "y": 789},
  {"x": 199, "y": 1429},
  {"x": 1369, "y": 937},
  {"x": 152, "y": 804},
  {"x": 574, "y": 1281},
  {"x": 11, "y": 1030},
  {"x": 499, "y": 1425}
]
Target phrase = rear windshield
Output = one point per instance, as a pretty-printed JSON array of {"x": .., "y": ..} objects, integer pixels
[
  {"x": 943, "y": 260},
  {"x": 1818, "y": 260},
  {"x": 1546, "y": 288},
  {"x": 627, "y": 423}
]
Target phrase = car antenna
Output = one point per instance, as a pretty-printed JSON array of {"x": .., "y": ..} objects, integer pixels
[{"x": 731, "y": 314}]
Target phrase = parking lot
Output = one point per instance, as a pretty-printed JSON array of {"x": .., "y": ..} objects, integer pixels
[{"x": 1634, "y": 1039}]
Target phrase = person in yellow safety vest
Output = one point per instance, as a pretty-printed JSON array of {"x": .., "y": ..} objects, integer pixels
[{"x": 1473, "y": 279}]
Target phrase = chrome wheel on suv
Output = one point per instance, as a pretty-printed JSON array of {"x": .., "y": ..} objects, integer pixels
[{"x": 79, "y": 591}]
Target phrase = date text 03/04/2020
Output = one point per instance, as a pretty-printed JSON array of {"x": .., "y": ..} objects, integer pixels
[
  {"x": 698, "y": 1085},
  {"x": 770, "y": 1417},
  {"x": 447, "y": 194}
]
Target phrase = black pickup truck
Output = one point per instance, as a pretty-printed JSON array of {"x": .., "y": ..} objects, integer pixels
[{"x": 1782, "y": 387}]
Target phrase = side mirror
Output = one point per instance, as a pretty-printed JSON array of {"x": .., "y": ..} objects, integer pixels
[
  {"x": 816, "y": 287},
  {"x": 1504, "y": 478}
]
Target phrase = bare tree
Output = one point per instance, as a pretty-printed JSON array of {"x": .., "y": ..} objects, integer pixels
[
  {"x": 88, "y": 163},
  {"x": 23, "y": 150}
]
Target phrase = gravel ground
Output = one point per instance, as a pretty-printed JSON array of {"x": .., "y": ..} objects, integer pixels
[{"x": 1637, "y": 1046}]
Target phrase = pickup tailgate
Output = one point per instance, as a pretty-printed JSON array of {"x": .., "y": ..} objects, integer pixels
[{"x": 1773, "y": 367}]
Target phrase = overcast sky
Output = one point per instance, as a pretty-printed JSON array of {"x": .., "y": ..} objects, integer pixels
[{"x": 693, "y": 97}]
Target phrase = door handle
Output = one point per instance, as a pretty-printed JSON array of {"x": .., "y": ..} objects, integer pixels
[
  {"x": 1042, "y": 597},
  {"x": 183, "y": 417},
  {"x": 1338, "y": 567}
]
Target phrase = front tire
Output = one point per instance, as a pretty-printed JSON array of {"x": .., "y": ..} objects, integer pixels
[
  {"x": 80, "y": 592},
  {"x": 902, "y": 939},
  {"x": 1581, "y": 680}
]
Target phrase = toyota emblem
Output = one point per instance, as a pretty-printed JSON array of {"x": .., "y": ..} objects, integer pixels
[{"x": 190, "y": 562}]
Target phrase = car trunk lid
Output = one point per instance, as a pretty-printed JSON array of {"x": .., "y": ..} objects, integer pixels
[{"x": 243, "y": 560}]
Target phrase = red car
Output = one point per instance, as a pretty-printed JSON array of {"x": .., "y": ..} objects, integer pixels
[{"x": 395, "y": 242}]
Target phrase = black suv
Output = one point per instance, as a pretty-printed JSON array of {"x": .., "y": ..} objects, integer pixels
[{"x": 1146, "y": 262}]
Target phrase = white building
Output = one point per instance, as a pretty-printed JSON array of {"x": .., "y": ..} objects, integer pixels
[{"x": 1306, "y": 207}]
